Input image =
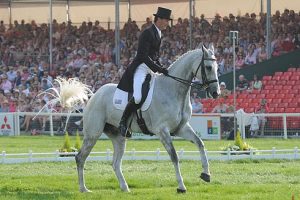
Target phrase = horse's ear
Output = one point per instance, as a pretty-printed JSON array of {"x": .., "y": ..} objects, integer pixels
[
  {"x": 204, "y": 50},
  {"x": 211, "y": 47}
]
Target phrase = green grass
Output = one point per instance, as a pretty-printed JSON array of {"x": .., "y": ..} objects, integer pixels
[
  {"x": 246, "y": 180},
  {"x": 243, "y": 179},
  {"x": 22, "y": 144}
]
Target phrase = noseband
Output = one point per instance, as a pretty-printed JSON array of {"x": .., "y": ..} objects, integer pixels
[{"x": 205, "y": 82}]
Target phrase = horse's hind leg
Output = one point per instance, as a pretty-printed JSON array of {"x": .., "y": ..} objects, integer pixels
[
  {"x": 92, "y": 130},
  {"x": 119, "y": 144},
  {"x": 166, "y": 140},
  {"x": 88, "y": 144},
  {"x": 188, "y": 133}
]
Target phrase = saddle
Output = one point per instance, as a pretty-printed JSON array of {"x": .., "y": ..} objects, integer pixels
[{"x": 140, "y": 120}]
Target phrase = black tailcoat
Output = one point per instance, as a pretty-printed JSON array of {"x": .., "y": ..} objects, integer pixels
[{"x": 148, "y": 53}]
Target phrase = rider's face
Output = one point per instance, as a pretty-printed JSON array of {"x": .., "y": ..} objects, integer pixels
[{"x": 162, "y": 23}]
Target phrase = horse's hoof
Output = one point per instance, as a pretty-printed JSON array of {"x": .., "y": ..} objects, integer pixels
[
  {"x": 128, "y": 135},
  {"x": 205, "y": 177},
  {"x": 125, "y": 189},
  {"x": 181, "y": 191},
  {"x": 85, "y": 190}
]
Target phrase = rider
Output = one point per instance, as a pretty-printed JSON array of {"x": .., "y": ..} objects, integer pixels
[{"x": 145, "y": 61}]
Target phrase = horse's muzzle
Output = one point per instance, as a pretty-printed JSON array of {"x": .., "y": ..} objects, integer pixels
[{"x": 215, "y": 95}]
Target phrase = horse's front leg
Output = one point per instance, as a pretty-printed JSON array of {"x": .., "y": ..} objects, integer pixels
[
  {"x": 166, "y": 140},
  {"x": 188, "y": 133}
]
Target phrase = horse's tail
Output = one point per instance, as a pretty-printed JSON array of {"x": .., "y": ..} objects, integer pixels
[{"x": 71, "y": 93}]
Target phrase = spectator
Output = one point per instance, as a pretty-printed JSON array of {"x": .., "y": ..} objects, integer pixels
[
  {"x": 5, "y": 83},
  {"x": 229, "y": 64},
  {"x": 27, "y": 118},
  {"x": 147, "y": 24},
  {"x": 44, "y": 119},
  {"x": 204, "y": 24},
  {"x": 243, "y": 83},
  {"x": 262, "y": 108},
  {"x": 251, "y": 57},
  {"x": 13, "y": 105},
  {"x": 224, "y": 92},
  {"x": 262, "y": 55},
  {"x": 17, "y": 79},
  {"x": 47, "y": 78},
  {"x": 197, "y": 106},
  {"x": 5, "y": 106},
  {"x": 220, "y": 108},
  {"x": 221, "y": 64},
  {"x": 2, "y": 97},
  {"x": 11, "y": 74},
  {"x": 2, "y": 27},
  {"x": 255, "y": 84},
  {"x": 297, "y": 41},
  {"x": 240, "y": 62}
]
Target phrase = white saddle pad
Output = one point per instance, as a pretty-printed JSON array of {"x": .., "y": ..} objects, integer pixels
[{"x": 120, "y": 98}]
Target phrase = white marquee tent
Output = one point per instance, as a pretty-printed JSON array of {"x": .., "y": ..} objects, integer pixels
[{"x": 104, "y": 10}]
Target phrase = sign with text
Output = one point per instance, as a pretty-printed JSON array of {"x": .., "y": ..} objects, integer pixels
[
  {"x": 207, "y": 126},
  {"x": 6, "y": 124}
]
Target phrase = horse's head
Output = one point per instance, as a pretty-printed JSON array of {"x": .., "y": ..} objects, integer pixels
[{"x": 208, "y": 72}]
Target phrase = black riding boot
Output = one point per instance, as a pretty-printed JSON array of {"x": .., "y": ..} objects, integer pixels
[{"x": 130, "y": 108}]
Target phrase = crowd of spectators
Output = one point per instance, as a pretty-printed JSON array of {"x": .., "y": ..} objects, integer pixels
[{"x": 87, "y": 51}]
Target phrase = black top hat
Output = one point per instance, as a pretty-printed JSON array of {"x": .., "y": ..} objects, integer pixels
[{"x": 163, "y": 13}]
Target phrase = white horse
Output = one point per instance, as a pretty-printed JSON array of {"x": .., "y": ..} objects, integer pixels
[{"x": 169, "y": 112}]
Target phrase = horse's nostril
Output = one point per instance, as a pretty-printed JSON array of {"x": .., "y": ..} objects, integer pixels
[{"x": 215, "y": 95}]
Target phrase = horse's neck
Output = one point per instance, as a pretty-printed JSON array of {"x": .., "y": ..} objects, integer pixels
[{"x": 183, "y": 69}]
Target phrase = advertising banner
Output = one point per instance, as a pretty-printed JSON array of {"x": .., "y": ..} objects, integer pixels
[
  {"x": 6, "y": 124},
  {"x": 207, "y": 126}
]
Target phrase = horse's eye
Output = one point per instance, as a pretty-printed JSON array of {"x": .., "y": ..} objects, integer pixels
[{"x": 209, "y": 68}]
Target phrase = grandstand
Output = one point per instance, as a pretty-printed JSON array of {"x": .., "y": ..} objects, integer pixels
[
  {"x": 86, "y": 50},
  {"x": 280, "y": 90}
]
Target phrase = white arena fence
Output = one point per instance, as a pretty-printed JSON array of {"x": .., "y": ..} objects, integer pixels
[
  {"x": 208, "y": 126},
  {"x": 158, "y": 155}
]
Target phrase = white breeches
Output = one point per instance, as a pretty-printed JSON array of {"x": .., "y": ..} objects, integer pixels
[{"x": 138, "y": 79}]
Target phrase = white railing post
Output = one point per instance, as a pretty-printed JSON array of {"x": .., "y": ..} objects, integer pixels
[
  {"x": 273, "y": 152},
  {"x": 228, "y": 154},
  {"x": 243, "y": 129},
  {"x": 296, "y": 153},
  {"x": 251, "y": 154},
  {"x": 51, "y": 125},
  {"x": 157, "y": 153},
  {"x": 57, "y": 155},
  {"x": 3, "y": 157},
  {"x": 30, "y": 156},
  {"x": 284, "y": 127},
  {"x": 133, "y": 154},
  {"x": 107, "y": 154},
  {"x": 181, "y": 152},
  {"x": 17, "y": 123}
]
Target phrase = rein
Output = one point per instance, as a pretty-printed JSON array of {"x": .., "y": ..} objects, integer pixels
[{"x": 203, "y": 85}]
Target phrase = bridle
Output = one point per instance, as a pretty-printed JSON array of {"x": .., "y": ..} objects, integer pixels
[{"x": 205, "y": 82}]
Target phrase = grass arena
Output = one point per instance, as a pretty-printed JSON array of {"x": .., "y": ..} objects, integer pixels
[
  {"x": 242, "y": 179},
  {"x": 210, "y": 63}
]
